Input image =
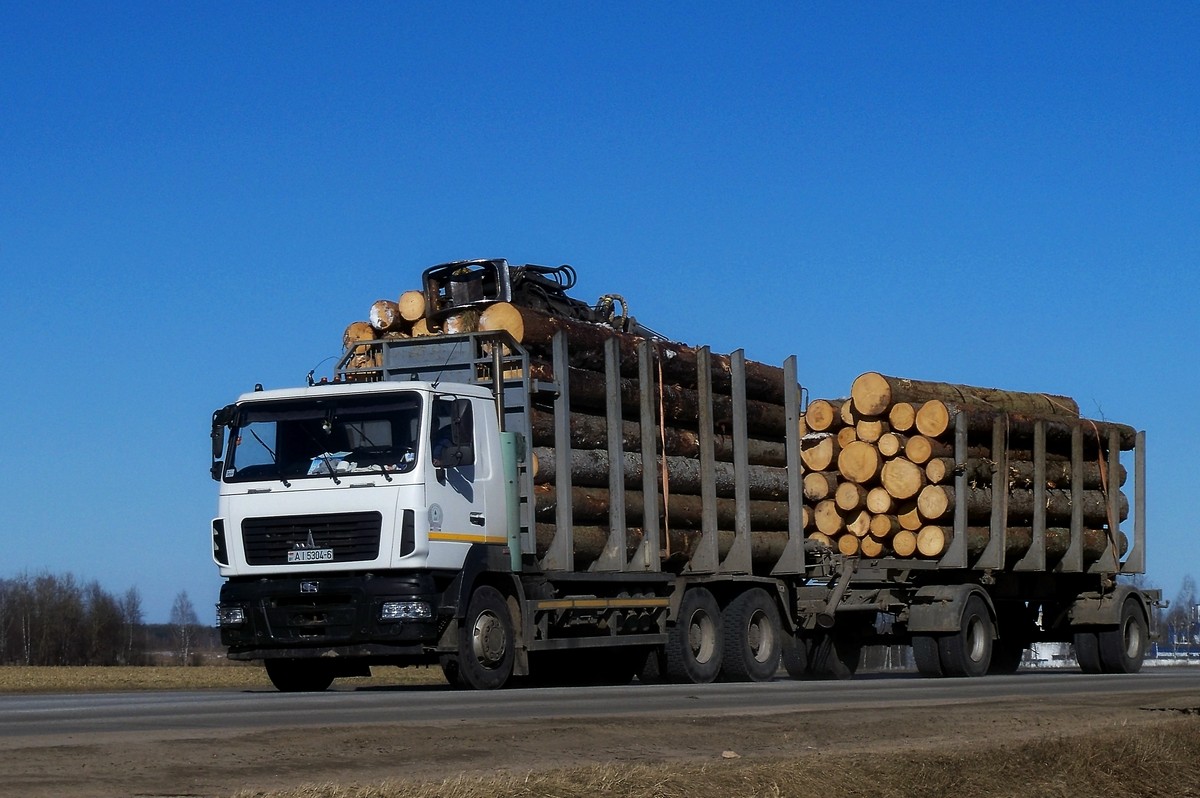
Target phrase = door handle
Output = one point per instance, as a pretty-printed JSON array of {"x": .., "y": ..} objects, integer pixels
[{"x": 477, "y": 519}]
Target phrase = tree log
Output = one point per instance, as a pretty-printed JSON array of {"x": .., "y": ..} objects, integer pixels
[
  {"x": 879, "y": 500},
  {"x": 870, "y": 429},
  {"x": 827, "y": 518},
  {"x": 874, "y": 394},
  {"x": 902, "y": 478},
  {"x": 681, "y": 405},
  {"x": 592, "y": 505},
  {"x": 890, "y": 444},
  {"x": 884, "y": 526},
  {"x": 822, "y": 415},
  {"x": 819, "y": 485},
  {"x": 904, "y": 543},
  {"x": 1020, "y": 504},
  {"x": 902, "y": 416},
  {"x": 591, "y": 432},
  {"x": 1020, "y": 472},
  {"x": 590, "y": 468},
  {"x": 846, "y": 436},
  {"x": 850, "y": 496},
  {"x": 847, "y": 545},
  {"x": 586, "y": 350},
  {"x": 819, "y": 451},
  {"x": 385, "y": 316},
  {"x": 870, "y": 547},
  {"x": 859, "y": 523},
  {"x": 859, "y": 462},
  {"x": 412, "y": 305},
  {"x": 765, "y": 547}
]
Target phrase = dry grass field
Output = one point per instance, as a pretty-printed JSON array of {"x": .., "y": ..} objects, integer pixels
[
  {"x": 1160, "y": 761},
  {"x": 19, "y": 679}
]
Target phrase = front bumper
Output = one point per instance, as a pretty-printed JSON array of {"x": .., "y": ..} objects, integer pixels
[{"x": 332, "y": 616}]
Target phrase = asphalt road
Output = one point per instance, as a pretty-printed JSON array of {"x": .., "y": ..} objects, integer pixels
[{"x": 28, "y": 719}]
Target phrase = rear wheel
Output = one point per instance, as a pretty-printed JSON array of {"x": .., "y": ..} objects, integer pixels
[
  {"x": 1087, "y": 651},
  {"x": 1122, "y": 650},
  {"x": 794, "y": 655},
  {"x": 752, "y": 638},
  {"x": 968, "y": 652},
  {"x": 926, "y": 655},
  {"x": 834, "y": 654},
  {"x": 299, "y": 675},
  {"x": 694, "y": 643}
]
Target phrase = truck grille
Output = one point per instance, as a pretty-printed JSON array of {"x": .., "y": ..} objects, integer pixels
[{"x": 353, "y": 537}]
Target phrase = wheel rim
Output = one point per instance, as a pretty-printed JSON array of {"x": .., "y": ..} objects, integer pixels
[
  {"x": 760, "y": 636},
  {"x": 976, "y": 639},
  {"x": 488, "y": 642},
  {"x": 702, "y": 637}
]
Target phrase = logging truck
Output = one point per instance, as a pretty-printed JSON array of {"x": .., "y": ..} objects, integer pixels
[{"x": 519, "y": 487}]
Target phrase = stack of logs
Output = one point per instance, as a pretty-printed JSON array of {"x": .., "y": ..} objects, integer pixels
[
  {"x": 675, "y": 367},
  {"x": 880, "y": 469}
]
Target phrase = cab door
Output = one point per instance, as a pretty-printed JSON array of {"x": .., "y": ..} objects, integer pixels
[{"x": 466, "y": 485}]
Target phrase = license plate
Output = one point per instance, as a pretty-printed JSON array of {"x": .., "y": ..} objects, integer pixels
[{"x": 311, "y": 555}]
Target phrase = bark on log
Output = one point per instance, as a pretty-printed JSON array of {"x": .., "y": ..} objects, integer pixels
[
  {"x": 1020, "y": 504},
  {"x": 592, "y": 505},
  {"x": 586, "y": 349},
  {"x": 590, "y": 468},
  {"x": 873, "y": 394},
  {"x": 1019, "y": 540},
  {"x": 591, "y": 432},
  {"x": 385, "y": 316},
  {"x": 765, "y": 547},
  {"x": 1019, "y": 428},
  {"x": 1020, "y": 473},
  {"x": 682, "y": 405}
]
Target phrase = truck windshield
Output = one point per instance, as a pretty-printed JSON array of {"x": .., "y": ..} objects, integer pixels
[{"x": 322, "y": 438}]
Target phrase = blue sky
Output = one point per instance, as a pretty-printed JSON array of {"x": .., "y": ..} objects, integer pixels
[{"x": 195, "y": 197}]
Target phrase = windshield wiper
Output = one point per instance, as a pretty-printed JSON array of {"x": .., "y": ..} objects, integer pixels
[{"x": 271, "y": 452}]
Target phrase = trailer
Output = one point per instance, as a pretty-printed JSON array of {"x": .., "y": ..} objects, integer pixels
[{"x": 421, "y": 509}]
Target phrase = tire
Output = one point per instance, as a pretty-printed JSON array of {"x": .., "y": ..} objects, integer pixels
[
  {"x": 694, "y": 643},
  {"x": 1006, "y": 656},
  {"x": 299, "y": 675},
  {"x": 794, "y": 655},
  {"x": 968, "y": 652},
  {"x": 1087, "y": 651},
  {"x": 486, "y": 643},
  {"x": 926, "y": 656},
  {"x": 1123, "y": 649},
  {"x": 833, "y": 656},
  {"x": 752, "y": 638}
]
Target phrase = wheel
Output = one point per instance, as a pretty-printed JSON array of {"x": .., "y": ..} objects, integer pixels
[
  {"x": 485, "y": 643},
  {"x": 833, "y": 655},
  {"x": 299, "y": 675},
  {"x": 1123, "y": 649},
  {"x": 1087, "y": 651},
  {"x": 925, "y": 654},
  {"x": 968, "y": 652},
  {"x": 1006, "y": 656},
  {"x": 794, "y": 655},
  {"x": 653, "y": 669},
  {"x": 694, "y": 642},
  {"x": 752, "y": 638}
]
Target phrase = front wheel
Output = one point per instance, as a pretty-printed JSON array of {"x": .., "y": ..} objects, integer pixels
[{"x": 486, "y": 643}]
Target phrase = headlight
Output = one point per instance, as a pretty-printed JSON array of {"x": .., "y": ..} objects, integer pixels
[
  {"x": 405, "y": 611},
  {"x": 230, "y": 615}
]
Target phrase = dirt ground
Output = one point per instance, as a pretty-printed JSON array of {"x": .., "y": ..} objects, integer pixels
[{"x": 220, "y": 764}]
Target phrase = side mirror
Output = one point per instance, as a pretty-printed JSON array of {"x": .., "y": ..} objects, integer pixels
[{"x": 216, "y": 470}]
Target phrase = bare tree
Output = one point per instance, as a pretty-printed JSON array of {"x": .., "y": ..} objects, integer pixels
[
  {"x": 1181, "y": 617},
  {"x": 184, "y": 622},
  {"x": 132, "y": 641}
]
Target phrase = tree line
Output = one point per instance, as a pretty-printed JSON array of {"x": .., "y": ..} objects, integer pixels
[{"x": 53, "y": 619}]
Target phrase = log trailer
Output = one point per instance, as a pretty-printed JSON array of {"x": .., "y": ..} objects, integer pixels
[{"x": 435, "y": 504}]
